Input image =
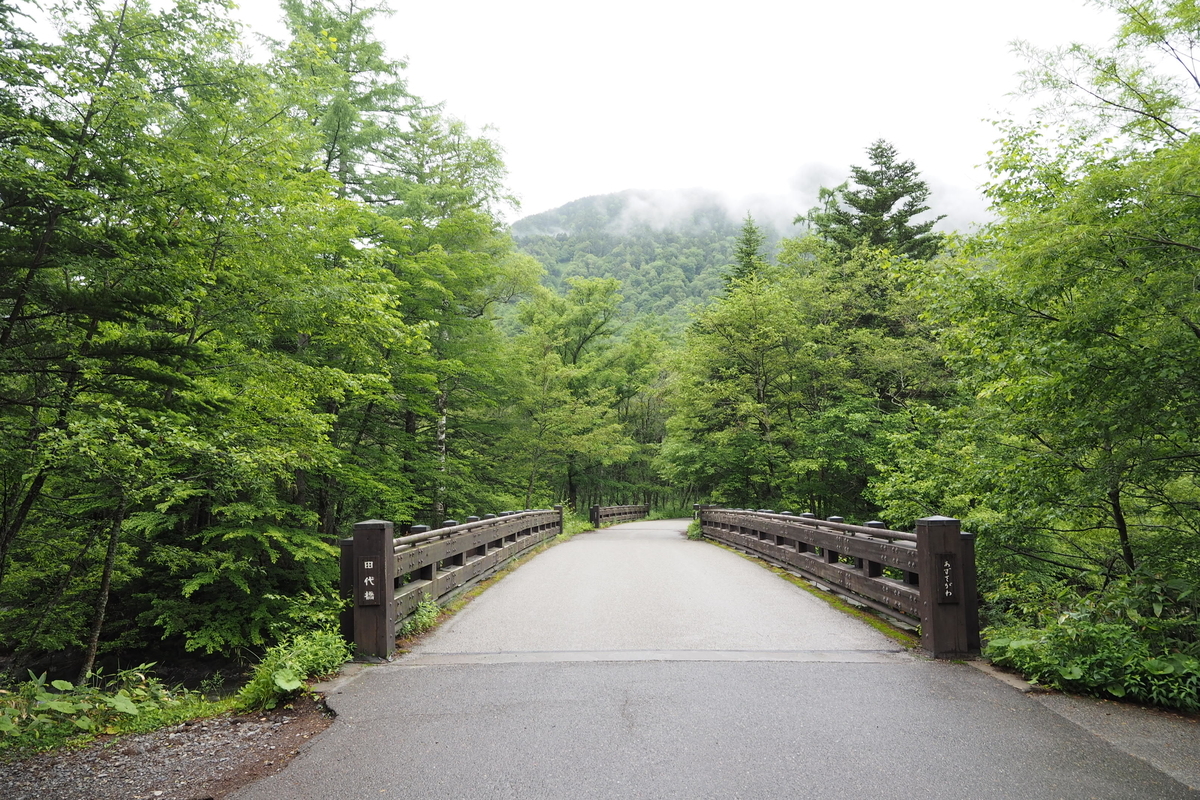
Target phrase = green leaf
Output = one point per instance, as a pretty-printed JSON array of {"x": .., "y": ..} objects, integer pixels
[
  {"x": 1071, "y": 673},
  {"x": 287, "y": 679},
  {"x": 1159, "y": 666},
  {"x": 61, "y": 706},
  {"x": 63, "y": 686},
  {"x": 121, "y": 702}
]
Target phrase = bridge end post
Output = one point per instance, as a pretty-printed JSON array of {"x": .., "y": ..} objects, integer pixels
[
  {"x": 949, "y": 607},
  {"x": 562, "y": 519},
  {"x": 374, "y": 589}
]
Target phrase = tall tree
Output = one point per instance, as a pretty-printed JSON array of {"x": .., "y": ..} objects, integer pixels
[
  {"x": 171, "y": 249},
  {"x": 788, "y": 387},
  {"x": 748, "y": 256},
  {"x": 570, "y": 421},
  {"x": 880, "y": 210},
  {"x": 429, "y": 188}
]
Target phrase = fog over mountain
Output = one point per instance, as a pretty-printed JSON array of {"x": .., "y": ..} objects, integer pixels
[{"x": 697, "y": 210}]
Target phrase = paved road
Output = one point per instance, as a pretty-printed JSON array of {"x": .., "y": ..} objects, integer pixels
[{"x": 632, "y": 663}]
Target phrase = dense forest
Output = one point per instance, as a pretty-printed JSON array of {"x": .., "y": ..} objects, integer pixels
[{"x": 248, "y": 303}]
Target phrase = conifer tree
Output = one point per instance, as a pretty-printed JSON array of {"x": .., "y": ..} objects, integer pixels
[
  {"x": 880, "y": 211},
  {"x": 748, "y": 260}
]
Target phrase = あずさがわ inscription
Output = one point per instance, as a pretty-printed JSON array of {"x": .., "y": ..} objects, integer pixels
[{"x": 947, "y": 578}]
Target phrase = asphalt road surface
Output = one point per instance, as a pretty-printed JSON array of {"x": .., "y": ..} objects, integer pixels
[{"x": 632, "y": 663}]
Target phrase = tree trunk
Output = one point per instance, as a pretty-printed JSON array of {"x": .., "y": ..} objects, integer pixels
[
  {"x": 439, "y": 493},
  {"x": 13, "y": 526},
  {"x": 110, "y": 561},
  {"x": 1118, "y": 515},
  {"x": 572, "y": 489}
]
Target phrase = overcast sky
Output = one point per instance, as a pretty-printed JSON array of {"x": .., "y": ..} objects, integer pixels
[{"x": 760, "y": 101}]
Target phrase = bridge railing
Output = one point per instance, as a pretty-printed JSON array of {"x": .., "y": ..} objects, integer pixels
[
  {"x": 386, "y": 577},
  {"x": 927, "y": 577},
  {"x": 610, "y": 515}
]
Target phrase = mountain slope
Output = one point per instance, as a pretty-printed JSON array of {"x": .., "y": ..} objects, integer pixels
[{"x": 669, "y": 250}]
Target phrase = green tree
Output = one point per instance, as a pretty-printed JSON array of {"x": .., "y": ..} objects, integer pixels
[
  {"x": 788, "y": 387},
  {"x": 429, "y": 188},
  {"x": 177, "y": 263},
  {"x": 569, "y": 422},
  {"x": 880, "y": 211},
  {"x": 1072, "y": 323},
  {"x": 748, "y": 258}
]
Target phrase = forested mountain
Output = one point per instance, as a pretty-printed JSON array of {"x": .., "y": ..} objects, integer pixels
[{"x": 669, "y": 251}]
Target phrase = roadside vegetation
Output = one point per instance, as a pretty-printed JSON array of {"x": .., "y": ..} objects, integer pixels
[{"x": 37, "y": 714}]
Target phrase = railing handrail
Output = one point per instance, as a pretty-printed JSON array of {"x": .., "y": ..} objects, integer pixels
[
  {"x": 437, "y": 533},
  {"x": 387, "y": 576},
  {"x": 601, "y": 514},
  {"x": 815, "y": 522},
  {"x": 938, "y": 563}
]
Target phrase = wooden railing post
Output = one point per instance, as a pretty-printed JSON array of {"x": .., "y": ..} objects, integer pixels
[
  {"x": 374, "y": 589},
  {"x": 562, "y": 519},
  {"x": 949, "y": 611}
]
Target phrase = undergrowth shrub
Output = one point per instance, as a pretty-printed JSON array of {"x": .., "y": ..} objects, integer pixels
[
  {"x": 694, "y": 530},
  {"x": 574, "y": 523},
  {"x": 422, "y": 619},
  {"x": 38, "y": 714},
  {"x": 1136, "y": 638},
  {"x": 681, "y": 511},
  {"x": 285, "y": 666}
]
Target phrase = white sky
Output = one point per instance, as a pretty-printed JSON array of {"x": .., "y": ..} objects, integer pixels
[{"x": 760, "y": 101}]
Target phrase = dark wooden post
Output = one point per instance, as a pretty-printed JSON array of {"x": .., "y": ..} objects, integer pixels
[
  {"x": 562, "y": 519},
  {"x": 872, "y": 569},
  {"x": 374, "y": 589},
  {"x": 947, "y": 570},
  {"x": 595, "y": 514},
  {"x": 832, "y": 557}
]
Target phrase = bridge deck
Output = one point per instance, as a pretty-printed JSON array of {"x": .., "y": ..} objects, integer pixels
[
  {"x": 633, "y": 663},
  {"x": 642, "y": 587}
]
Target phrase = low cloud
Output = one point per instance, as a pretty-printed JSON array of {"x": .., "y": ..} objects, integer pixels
[{"x": 696, "y": 209}]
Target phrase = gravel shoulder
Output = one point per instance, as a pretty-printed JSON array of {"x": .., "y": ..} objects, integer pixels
[{"x": 198, "y": 760}]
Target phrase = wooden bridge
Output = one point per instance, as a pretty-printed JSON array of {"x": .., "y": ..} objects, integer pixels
[
  {"x": 925, "y": 578},
  {"x": 631, "y": 662}
]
